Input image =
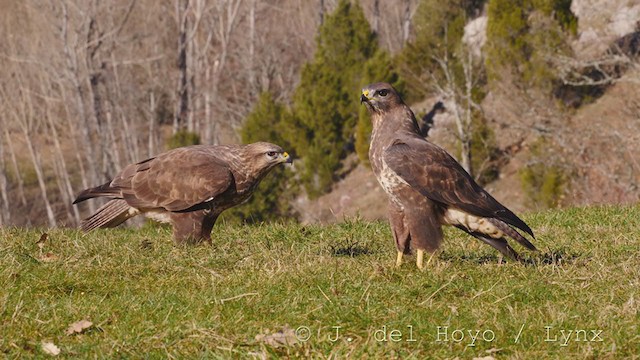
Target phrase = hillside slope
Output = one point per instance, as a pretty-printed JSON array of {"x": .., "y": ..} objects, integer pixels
[{"x": 596, "y": 145}]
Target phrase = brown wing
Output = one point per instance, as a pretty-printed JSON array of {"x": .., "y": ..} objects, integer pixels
[
  {"x": 178, "y": 180},
  {"x": 436, "y": 175}
]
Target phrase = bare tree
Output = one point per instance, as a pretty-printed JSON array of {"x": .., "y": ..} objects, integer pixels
[
  {"x": 224, "y": 21},
  {"x": 60, "y": 163},
  {"x": 182, "y": 106},
  {"x": 459, "y": 99},
  {"x": 152, "y": 140},
  {"x": 406, "y": 21},
  {"x": 74, "y": 76},
  {"x": 376, "y": 16},
  {"x": 603, "y": 71},
  {"x": 391, "y": 21},
  {"x": 88, "y": 50},
  {"x": 621, "y": 57},
  {"x": 252, "y": 45},
  {"x": 25, "y": 115},
  {"x": 5, "y": 214},
  {"x": 99, "y": 86},
  {"x": 321, "y": 10},
  {"x": 604, "y": 173},
  {"x": 14, "y": 163}
]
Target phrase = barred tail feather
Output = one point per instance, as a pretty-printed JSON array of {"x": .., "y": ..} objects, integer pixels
[
  {"x": 102, "y": 190},
  {"x": 111, "y": 214},
  {"x": 498, "y": 244},
  {"x": 514, "y": 234}
]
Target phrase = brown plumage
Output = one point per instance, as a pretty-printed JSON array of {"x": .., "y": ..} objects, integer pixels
[
  {"x": 188, "y": 187},
  {"x": 427, "y": 187}
]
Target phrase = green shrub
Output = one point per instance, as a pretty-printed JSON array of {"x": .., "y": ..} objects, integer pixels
[
  {"x": 543, "y": 185},
  {"x": 523, "y": 36},
  {"x": 543, "y": 181},
  {"x": 183, "y": 138},
  {"x": 380, "y": 68},
  {"x": 438, "y": 29},
  {"x": 484, "y": 151},
  {"x": 325, "y": 104},
  {"x": 560, "y": 10},
  {"x": 272, "y": 198}
]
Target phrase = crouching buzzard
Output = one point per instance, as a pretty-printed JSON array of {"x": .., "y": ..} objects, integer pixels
[
  {"x": 188, "y": 187},
  {"x": 427, "y": 188}
]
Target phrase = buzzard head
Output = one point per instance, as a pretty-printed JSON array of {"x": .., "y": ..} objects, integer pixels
[
  {"x": 263, "y": 156},
  {"x": 380, "y": 97}
]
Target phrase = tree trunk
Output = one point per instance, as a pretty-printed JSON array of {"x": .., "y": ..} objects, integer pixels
[
  {"x": 64, "y": 182},
  {"x": 406, "y": 23},
  {"x": 99, "y": 120},
  {"x": 35, "y": 159},
  {"x": 376, "y": 16},
  {"x": 209, "y": 123},
  {"x": 16, "y": 168},
  {"x": 151, "y": 143},
  {"x": 464, "y": 136},
  {"x": 5, "y": 215},
  {"x": 466, "y": 155},
  {"x": 64, "y": 195},
  {"x": 321, "y": 12},
  {"x": 77, "y": 149},
  {"x": 181, "y": 113},
  {"x": 86, "y": 143},
  {"x": 468, "y": 114},
  {"x": 227, "y": 22},
  {"x": 116, "y": 146},
  {"x": 129, "y": 136},
  {"x": 252, "y": 41}
]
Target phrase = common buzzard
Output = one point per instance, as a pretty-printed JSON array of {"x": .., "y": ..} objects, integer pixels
[
  {"x": 427, "y": 188},
  {"x": 188, "y": 187}
]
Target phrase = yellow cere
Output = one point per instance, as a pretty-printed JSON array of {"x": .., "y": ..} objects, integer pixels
[
  {"x": 285, "y": 154},
  {"x": 366, "y": 93}
]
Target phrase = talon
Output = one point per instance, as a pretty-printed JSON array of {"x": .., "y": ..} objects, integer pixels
[
  {"x": 399, "y": 259},
  {"x": 420, "y": 259}
]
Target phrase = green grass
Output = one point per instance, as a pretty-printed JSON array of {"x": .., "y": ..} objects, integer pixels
[{"x": 149, "y": 299}]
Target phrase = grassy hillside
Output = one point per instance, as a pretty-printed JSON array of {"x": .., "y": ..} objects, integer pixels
[{"x": 258, "y": 287}]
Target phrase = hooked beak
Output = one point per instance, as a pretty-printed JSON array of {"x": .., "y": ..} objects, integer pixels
[
  {"x": 364, "y": 98},
  {"x": 286, "y": 158}
]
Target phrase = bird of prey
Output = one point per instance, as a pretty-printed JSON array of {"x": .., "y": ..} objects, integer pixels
[
  {"x": 187, "y": 187},
  {"x": 427, "y": 187}
]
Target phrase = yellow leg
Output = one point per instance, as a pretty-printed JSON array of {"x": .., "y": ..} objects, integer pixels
[
  {"x": 399, "y": 259},
  {"x": 420, "y": 259}
]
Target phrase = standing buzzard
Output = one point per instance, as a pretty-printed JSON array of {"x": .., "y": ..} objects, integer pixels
[
  {"x": 188, "y": 187},
  {"x": 427, "y": 188}
]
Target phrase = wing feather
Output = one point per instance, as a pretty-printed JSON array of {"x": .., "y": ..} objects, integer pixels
[
  {"x": 177, "y": 180},
  {"x": 438, "y": 176}
]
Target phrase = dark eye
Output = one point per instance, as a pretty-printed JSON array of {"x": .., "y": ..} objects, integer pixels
[
  {"x": 383, "y": 92},
  {"x": 271, "y": 153}
]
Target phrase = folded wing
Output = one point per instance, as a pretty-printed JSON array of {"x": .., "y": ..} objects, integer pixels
[
  {"x": 436, "y": 175},
  {"x": 180, "y": 180}
]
